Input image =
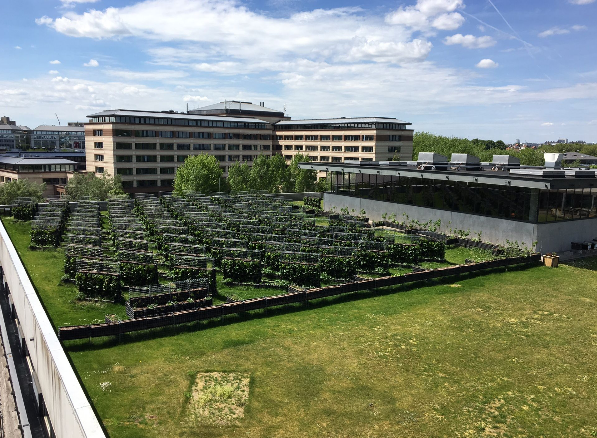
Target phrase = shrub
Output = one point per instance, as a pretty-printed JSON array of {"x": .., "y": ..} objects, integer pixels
[
  {"x": 24, "y": 211},
  {"x": 302, "y": 274},
  {"x": 431, "y": 249},
  {"x": 98, "y": 285},
  {"x": 403, "y": 253},
  {"x": 312, "y": 202},
  {"x": 138, "y": 274},
  {"x": 338, "y": 267},
  {"x": 242, "y": 270}
]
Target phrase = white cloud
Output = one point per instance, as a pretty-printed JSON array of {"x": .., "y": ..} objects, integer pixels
[
  {"x": 189, "y": 98},
  {"x": 91, "y": 63},
  {"x": 233, "y": 32},
  {"x": 451, "y": 21},
  {"x": 44, "y": 20},
  {"x": 53, "y": 72},
  {"x": 18, "y": 47},
  {"x": 470, "y": 41},
  {"x": 408, "y": 17},
  {"x": 381, "y": 51},
  {"x": 553, "y": 31},
  {"x": 225, "y": 68},
  {"x": 92, "y": 24},
  {"x": 55, "y": 62},
  {"x": 561, "y": 31},
  {"x": 434, "y": 7},
  {"x": 59, "y": 79},
  {"x": 157, "y": 75},
  {"x": 486, "y": 63},
  {"x": 418, "y": 16},
  {"x": 547, "y": 124},
  {"x": 581, "y": 2}
]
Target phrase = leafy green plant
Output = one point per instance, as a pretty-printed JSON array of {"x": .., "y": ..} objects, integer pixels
[{"x": 242, "y": 270}]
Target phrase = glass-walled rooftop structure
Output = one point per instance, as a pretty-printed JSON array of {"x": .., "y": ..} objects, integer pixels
[{"x": 533, "y": 197}]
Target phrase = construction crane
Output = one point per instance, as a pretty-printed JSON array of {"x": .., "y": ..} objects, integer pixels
[{"x": 57, "y": 119}]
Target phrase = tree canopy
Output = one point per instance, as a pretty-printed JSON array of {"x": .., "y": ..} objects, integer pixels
[
  {"x": 199, "y": 173},
  {"x": 239, "y": 176},
  {"x": 484, "y": 149},
  {"x": 89, "y": 185},
  {"x": 273, "y": 175},
  {"x": 21, "y": 188},
  {"x": 302, "y": 180}
]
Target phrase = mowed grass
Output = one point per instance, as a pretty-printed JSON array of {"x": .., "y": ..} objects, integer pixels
[{"x": 506, "y": 354}]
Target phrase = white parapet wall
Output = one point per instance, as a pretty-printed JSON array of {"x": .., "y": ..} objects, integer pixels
[{"x": 68, "y": 408}]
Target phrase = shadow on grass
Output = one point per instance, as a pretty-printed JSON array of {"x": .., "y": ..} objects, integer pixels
[
  {"x": 589, "y": 263},
  {"x": 174, "y": 330}
]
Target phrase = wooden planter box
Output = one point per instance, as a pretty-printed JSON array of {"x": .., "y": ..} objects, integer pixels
[{"x": 551, "y": 261}]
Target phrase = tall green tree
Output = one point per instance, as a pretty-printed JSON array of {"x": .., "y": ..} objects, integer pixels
[
  {"x": 20, "y": 188},
  {"x": 239, "y": 176},
  {"x": 303, "y": 180},
  {"x": 261, "y": 176},
  {"x": 280, "y": 174},
  {"x": 89, "y": 185},
  {"x": 199, "y": 173}
]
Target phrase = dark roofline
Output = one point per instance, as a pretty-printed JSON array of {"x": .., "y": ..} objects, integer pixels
[{"x": 487, "y": 177}]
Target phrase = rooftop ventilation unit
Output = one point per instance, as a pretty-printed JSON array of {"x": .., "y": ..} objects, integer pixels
[
  {"x": 503, "y": 162},
  {"x": 543, "y": 173},
  {"x": 465, "y": 161},
  {"x": 553, "y": 161},
  {"x": 432, "y": 161}
]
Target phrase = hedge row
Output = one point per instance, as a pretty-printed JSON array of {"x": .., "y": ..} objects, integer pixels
[{"x": 210, "y": 312}]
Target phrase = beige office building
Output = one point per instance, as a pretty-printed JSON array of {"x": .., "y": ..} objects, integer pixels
[
  {"x": 145, "y": 148},
  {"x": 53, "y": 172},
  {"x": 344, "y": 139}
]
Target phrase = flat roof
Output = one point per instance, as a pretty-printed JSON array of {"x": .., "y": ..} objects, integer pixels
[
  {"x": 567, "y": 156},
  {"x": 14, "y": 127},
  {"x": 237, "y": 106},
  {"x": 33, "y": 161},
  {"x": 167, "y": 115},
  {"x": 343, "y": 120},
  {"x": 60, "y": 128},
  {"x": 489, "y": 177},
  {"x": 43, "y": 154}
]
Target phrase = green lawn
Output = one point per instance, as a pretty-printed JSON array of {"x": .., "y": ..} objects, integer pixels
[{"x": 506, "y": 354}]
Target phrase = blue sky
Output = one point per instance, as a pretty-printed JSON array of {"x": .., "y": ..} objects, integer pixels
[{"x": 500, "y": 69}]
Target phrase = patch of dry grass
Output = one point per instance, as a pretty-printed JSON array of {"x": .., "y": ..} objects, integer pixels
[{"x": 219, "y": 398}]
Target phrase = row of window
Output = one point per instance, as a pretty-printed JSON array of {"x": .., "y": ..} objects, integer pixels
[
  {"x": 333, "y": 159},
  {"x": 367, "y": 149},
  {"x": 325, "y": 137},
  {"x": 189, "y": 146},
  {"x": 178, "y": 122},
  {"x": 187, "y": 134},
  {"x": 148, "y": 183},
  {"x": 341, "y": 125}
]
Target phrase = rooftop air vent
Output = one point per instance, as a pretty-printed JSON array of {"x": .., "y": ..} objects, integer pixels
[
  {"x": 553, "y": 161},
  {"x": 432, "y": 161},
  {"x": 502, "y": 162},
  {"x": 465, "y": 161},
  {"x": 543, "y": 173}
]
